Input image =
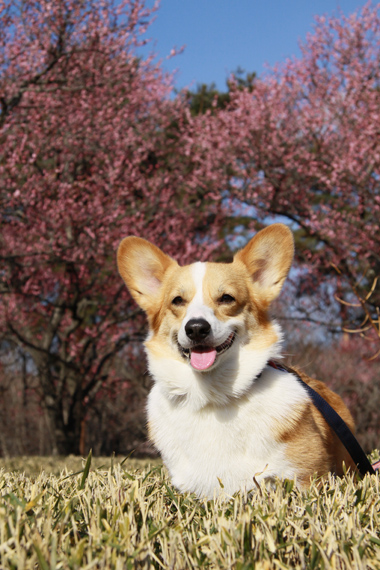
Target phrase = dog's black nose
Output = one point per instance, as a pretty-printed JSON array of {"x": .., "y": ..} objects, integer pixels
[{"x": 197, "y": 329}]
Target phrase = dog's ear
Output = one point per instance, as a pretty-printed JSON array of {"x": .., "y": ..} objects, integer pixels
[
  {"x": 142, "y": 266},
  {"x": 268, "y": 257}
]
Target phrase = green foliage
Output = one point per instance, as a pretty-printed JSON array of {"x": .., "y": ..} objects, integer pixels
[
  {"x": 133, "y": 518},
  {"x": 205, "y": 98},
  {"x": 208, "y": 98}
]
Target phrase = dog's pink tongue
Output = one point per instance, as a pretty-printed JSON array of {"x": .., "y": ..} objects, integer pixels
[{"x": 202, "y": 358}]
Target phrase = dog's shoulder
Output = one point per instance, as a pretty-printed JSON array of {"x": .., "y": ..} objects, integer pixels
[
  {"x": 311, "y": 444},
  {"x": 331, "y": 398}
]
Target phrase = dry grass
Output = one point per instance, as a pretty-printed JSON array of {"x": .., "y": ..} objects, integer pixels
[
  {"x": 33, "y": 465},
  {"x": 123, "y": 516}
]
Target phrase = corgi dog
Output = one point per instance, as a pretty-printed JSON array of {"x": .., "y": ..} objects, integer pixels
[{"x": 218, "y": 413}]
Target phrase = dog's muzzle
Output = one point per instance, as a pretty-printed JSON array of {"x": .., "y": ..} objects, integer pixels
[{"x": 202, "y": 355}]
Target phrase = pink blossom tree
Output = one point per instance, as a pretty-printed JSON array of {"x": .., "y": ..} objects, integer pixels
[
  {"x": 92, "y": 149},
  {"x": 304, "y": 144}
]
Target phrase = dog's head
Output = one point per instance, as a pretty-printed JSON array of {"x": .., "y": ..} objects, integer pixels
[{"x": 201, "y": 315}]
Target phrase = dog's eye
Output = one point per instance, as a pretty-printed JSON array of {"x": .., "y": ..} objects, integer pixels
[
  {"x": 226, "y": 299},
  {"x": 178, "y": 301}
]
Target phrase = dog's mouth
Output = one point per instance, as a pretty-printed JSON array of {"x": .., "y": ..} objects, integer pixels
[{"x": 203, "y": 357}]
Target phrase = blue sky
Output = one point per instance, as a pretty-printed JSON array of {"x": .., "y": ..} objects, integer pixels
[{"x": 221, "y": 35}]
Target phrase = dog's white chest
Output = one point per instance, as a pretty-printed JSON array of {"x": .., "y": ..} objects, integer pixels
[{"x": 221, "y": 446}]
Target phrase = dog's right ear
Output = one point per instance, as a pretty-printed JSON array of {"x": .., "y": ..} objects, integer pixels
[
  {"x": 268, "y": 257},
  {"x": 142, "y": 266}
]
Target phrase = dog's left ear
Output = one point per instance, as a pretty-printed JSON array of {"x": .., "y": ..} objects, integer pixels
[
  {"x": 268, "y": 257},
  {"x": 143, "y": 266}
]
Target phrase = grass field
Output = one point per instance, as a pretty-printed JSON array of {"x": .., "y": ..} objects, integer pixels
[{"x": 117, "y": 515}]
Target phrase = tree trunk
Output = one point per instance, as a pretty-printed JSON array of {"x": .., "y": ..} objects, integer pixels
[{"x": 66, "y": 427}]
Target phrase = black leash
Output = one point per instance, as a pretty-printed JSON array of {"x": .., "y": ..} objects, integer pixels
[{"x": 336, "y": 423}]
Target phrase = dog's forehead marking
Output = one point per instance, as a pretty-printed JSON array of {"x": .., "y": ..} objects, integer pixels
[
  {"x": 196, "y": 307},
  {"x": 198, "y": 271}
]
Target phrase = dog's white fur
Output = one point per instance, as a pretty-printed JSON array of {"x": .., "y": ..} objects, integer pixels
[
  {"x": 205, "y": 438},
  {"x": 218, "y": 427}
]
